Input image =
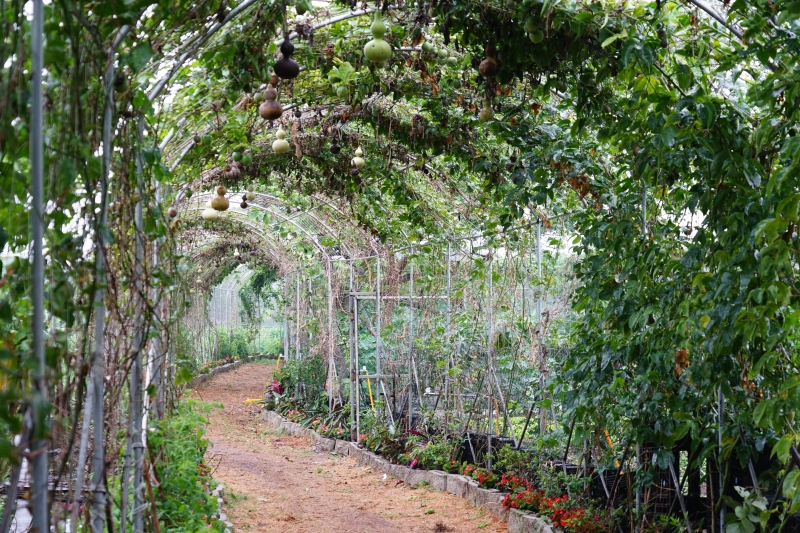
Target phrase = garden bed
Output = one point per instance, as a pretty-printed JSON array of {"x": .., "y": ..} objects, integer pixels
[{"x": 462, "y": 486}]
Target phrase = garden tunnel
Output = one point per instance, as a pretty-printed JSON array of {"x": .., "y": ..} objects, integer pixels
[{"x": 550, "y": 240}]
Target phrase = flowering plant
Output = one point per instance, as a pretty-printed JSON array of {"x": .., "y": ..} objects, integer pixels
[
  {"x": 485, "y": 479},
  {"x": 562, "y": 513},
  {"x": 452, "y": 466},
  {"x": 295, "y": 416},
  {"x": 577, "y": 520},
  {"x": 527, "y": 500},
  {"x": 512, "y": 483}
]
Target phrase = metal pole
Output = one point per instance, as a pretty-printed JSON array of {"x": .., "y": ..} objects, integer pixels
[
  {"x": 448, "y": 334},
  {"x": 136, "y": 372},
  {"x": 410, "y": 343},
  {"x": 356, "y": 362},
  {"x": 490, "y": 366},
  {"x": 330, "y": 333},
  {"x": 285, "y": 328},
  {"x": 540, "y": 327},
  {"x": 297, "y": 322},
  {"x": 720, "y": 467},
  {"x": 39, "y": 504},
  {"x": 353, "y": 366},
  {"x": 378, "y": 328}
]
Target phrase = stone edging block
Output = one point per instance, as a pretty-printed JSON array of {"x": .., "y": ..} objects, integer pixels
[
  {"x": 355, "y": 451},
  {"x": 342, "y": 447},
  {"x": 414, "y": 477},
  {"x": 536, "y": 524},
  {"x": 437, "y": 479},
  {"x": 458, "y": 485},
  {"x": 515, "y": 522},
  {"x": 325, "y": 444}
]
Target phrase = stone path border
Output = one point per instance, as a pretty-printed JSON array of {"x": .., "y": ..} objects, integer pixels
[{"x": 462, "y": 486}]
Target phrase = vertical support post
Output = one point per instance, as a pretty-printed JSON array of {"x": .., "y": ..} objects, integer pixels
[
  {"x": 39, "y": 503},
  {"x": 137, "y": 407},
  {"x": 156, "y": 362},
  {"x": 410, "y": 341},
  {"x": 490, "y": 363},
  {"x": 378, "y": 301},
  {"x": 357, "y": 367},
  {"x": 448, "y": 334},
  {"x": 540, "y": 326},
  {"x": 297, "y": 321},
  {"x": 353, "y": 367},
  {"x": 285, "y": 327},
  {"x": 330, "y": 333},
  {"x": 720, "y": 466}
]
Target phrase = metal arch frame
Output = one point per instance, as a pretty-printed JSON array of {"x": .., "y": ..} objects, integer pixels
[
  {"x": 327, "y": 203},
  {"x": 267, "y": 209},
  {"x": 272, "y": 250},
  {"x": 311, "y": 215},
  {"x": 259, "y": 231},
  {"x": 329, "y": 270}
]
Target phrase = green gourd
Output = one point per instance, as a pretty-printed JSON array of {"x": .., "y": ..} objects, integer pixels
[{"x": 377, "y": 50}]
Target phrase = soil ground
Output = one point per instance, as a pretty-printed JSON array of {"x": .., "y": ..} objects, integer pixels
[{"x": 277, "y": 483}]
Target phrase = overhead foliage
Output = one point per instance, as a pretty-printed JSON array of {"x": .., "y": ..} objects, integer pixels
[{"x": 667, "y": 139}]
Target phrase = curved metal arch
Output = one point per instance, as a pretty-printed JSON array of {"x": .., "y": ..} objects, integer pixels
[
  {"x": 311, "y": 215},
  {"x": 259, "y": 231},
  {"x": 370, "y": 242},
  {"x": 310, "y": 237},
  {"x": 273, "y": 244}
]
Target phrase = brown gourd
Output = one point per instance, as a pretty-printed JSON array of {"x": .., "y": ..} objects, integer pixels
[{"x": 270, "y": 109}]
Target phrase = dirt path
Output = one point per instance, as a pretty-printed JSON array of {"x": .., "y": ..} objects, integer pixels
[{"x": 278, "y": 483}]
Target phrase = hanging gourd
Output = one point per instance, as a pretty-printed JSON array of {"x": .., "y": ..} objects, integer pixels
[
  {"x": 359, "y": 161},
  {"x": 172, "y": 212},
  {"x": 231, "y": 172},
  {"x": 280, "y": 145},
  {"x": 220, "y": 203},
  {"x": 335, "y": 148},
  {"x": 377, "y": 50},
  {"x": 487, "y": 113},
  {"x": 270, "y": 109},
  {"x": 250, "y": 194},
  {"x": 489, "y": 67},
  {"x": 209, "y": 214},
  {"x": 286, "y": 67}
]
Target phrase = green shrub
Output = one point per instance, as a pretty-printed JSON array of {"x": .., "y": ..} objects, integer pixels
[
  {"x": 235, "y": 344},
  {"x": 182, "y": 499}
]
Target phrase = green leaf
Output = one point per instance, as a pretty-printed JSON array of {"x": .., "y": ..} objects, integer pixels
[
  {"x": 781, "y": 449},
  {"x": 139, "y": 56},
  {"x": 758, "y": 413},
  {"x": 184, "y": 375}
]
